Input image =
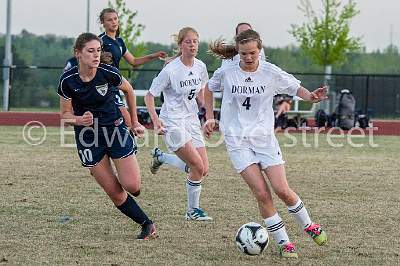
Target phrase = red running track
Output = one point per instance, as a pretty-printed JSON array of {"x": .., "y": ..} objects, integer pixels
[{"x": 383, "y": 127}]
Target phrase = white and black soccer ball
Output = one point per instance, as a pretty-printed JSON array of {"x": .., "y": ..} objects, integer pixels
[{"x": 252, "y": 238}]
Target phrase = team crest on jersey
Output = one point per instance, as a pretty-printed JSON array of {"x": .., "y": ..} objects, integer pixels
[{"x": 102, "y": 89}]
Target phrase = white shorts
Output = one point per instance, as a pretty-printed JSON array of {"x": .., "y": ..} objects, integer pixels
[
  {"x": 182, "y": 130},
  {"x": 245, "y": 151}
]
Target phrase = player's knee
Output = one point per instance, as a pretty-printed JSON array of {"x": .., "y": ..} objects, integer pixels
[
  {"x": 118, "y": 198},
  {"x": 284, "y": 194},
  {"x": 133, "y": 189},
  {"x": 198, "y": 168},
  {"x": 196, "y": 165},
  {"x": 263, "y": 196}
]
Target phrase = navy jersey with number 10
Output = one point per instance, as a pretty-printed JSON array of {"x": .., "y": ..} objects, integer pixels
[{"x": 95, "y": 96}]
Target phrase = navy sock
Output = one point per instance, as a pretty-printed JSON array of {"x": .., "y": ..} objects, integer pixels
[{"x": 131, "y": 209}]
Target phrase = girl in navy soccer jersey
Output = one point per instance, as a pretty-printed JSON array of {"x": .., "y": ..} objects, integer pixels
[
  {"x": 87, "y": 102},
  {"x": 247, "y": 123},
  {"x": 106, "y": 58},
  {"x": 115, "y": 45},
  {"x": 182, "y": 81}
]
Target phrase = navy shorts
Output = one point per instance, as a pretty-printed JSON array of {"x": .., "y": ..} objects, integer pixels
[{"x": 95, "y": 142}]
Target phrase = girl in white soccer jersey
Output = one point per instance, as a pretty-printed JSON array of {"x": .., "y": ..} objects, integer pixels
[
  {"x": 181, "y": 81},
  {"x": 160, "y": 157},
  {"x": 247, "y": 123}
]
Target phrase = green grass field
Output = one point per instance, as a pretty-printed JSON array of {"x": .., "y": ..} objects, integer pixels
[{"x": 53, "y": 212}]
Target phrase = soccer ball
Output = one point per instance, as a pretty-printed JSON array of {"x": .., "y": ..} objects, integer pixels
[{"x": 252, "y": 238}]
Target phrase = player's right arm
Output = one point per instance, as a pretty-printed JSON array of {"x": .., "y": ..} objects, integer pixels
[
  {"x": 214, "y": 84},
  {"x": 159, "y": 84},
  {"x": 67, "y": 114},
  {"x": 66, "y": 111},
  {"x": 158, "y": 125}
]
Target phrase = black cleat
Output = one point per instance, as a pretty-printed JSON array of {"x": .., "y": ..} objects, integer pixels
[{"x": 148, "y": 232}]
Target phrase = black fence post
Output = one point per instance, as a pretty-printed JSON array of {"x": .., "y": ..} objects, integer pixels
[{"x": 366, "y": 97}]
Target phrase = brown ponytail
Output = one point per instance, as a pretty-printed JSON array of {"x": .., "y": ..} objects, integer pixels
[
  {"x": 222, "y": 50},
  {"x": 226, "y": 51},
  {"x": 106, "y": 58}
]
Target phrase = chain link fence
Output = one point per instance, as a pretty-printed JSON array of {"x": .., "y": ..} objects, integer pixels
[{"x": 35, "y": 88}]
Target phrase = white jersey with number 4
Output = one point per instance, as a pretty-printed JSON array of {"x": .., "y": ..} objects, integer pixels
[
  {"x": 246, "y": 108},
  {"x": 180, "y": 85}
]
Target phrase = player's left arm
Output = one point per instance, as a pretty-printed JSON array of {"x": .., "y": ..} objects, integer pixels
[
  {"x": 137, "y": 61},
  {"x": 204, "y": 81},
  {"x": 315, "y": 96},
  {"x": 130, "y": 96}
]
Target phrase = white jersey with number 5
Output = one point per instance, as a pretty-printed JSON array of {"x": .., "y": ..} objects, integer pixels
[
  {"x": 247, "y": 103},
  {"x": 180, "y": 85}
]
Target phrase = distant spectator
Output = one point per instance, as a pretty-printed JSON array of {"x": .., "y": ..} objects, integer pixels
[{"x": 283, "y": 105}]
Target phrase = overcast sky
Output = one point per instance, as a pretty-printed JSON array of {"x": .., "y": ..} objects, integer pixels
[{"x": 377, "y": 22}]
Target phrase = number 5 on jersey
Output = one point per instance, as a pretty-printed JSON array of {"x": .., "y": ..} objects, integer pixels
[{"x": 191, "y": 94}]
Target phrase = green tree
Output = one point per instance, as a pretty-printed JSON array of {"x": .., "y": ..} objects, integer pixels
[{"x": 325, "y": 38}]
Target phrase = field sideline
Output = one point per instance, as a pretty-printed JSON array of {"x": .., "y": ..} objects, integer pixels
[{"x": 52, "y": 211}]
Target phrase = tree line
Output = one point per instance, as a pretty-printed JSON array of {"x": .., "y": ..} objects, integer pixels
[{"x": 37, "y": 87}]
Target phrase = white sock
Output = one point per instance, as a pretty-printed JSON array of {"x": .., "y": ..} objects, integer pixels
[
  {"x": 173, "y": 160},
  {"x": 277, "y": 229},
  {"x": 193, "y": 194},
  {"x": 300, "y": 214}
]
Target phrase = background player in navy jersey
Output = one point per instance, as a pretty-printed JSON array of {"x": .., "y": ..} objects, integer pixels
[
  {"x": 115, "y": 45},
  {"x": 87, "y": 102},
  {"x": 247, "y": 123},
  {"x": 181, "y": 81},
  {"x": 71, "y": 62}
]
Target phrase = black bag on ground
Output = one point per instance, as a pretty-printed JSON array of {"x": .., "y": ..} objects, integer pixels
[
  {"x": 321, "y": 118},
  {"x": 345, "y": 110},
  {"x": 331, "y": 120},
  {"x": 281, "y": 121},
  {"x": 143, "y": 116},
  {"x": 363, "y": 121},
  {"x": 292, "y": 122}
]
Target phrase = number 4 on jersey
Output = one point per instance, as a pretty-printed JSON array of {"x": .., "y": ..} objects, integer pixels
[{"x": 246, "y": 103}]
